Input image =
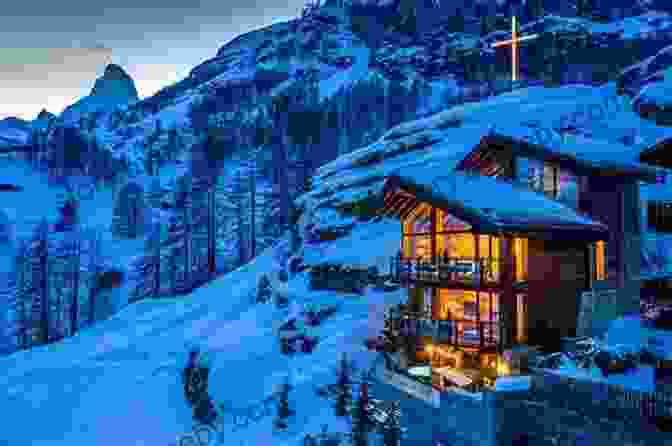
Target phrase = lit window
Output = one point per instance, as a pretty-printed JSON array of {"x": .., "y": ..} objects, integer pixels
[
  {"x": 600, "y": 262},
  {"x": 520, "y": 253}
]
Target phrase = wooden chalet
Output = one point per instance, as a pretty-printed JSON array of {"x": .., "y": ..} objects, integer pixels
[{"x": 505, "y": 245}]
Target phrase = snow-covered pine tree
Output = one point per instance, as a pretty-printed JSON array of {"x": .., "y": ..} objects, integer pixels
[
  {"x": 153, "y": 149},
  {"x": 181, "y": 231},
  {"x": 309, "y": 440},
  {"x": 264, "y": 290},
  {"x": 283, "y": 409},
  {"x": 75, "y": 254},
  {"x": 343, "y": 387},
  {"x": 129, "y": 211},
  {"x": 362, "y": 421},
  {"x": 38, "y": 259},
  {"x": 391, "y": 429},
  {"x": 171, "y": 267},
  {"x": 94, "y": 270},
  {"x": 279, "y": 144},
  {"x": 21, "y": 302},
  {"x": 146, "y": 269}
]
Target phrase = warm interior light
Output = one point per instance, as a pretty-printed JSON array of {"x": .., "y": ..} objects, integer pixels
[
  {"x": 429, "y": 348},
  {"x": 503, "y": 368}
]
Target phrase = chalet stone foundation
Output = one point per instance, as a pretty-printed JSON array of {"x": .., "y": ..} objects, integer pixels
[{"x": 556, "y": 415}]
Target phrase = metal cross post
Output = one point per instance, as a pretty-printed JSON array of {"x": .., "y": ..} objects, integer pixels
[{"x": 514, "y": 46}]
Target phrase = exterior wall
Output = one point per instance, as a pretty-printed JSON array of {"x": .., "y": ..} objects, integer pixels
[
  {"x": 557, "y": 274},
  {"x": 603, "y": 201}
]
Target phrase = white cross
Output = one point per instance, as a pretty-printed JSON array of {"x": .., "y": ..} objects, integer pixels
[{"x": 514, "y": 46}]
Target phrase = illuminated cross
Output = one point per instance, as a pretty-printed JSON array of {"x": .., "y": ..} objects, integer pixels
[{"x": 514, "y": 46}]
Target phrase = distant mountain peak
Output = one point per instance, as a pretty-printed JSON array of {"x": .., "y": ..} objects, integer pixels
[
  {"x": 44, "y": 114},
  {"x": 115, "y": 87},
  {"x": 115, "y": 82}
]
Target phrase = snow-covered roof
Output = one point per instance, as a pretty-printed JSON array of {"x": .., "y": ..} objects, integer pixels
[
  {"x": 591, "y": 153},
  {"x": 493, "y": 205}
]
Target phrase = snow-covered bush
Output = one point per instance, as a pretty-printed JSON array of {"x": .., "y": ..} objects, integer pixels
[{"x": 294, "y": 265}]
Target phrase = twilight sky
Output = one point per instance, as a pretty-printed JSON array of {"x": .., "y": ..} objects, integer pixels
[{"x": 52, "y": 52}]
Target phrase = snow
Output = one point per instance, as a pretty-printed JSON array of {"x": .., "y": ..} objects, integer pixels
[
  {"x": 513, "y": 383},
  {"x": 358, "y": 71},
  {"x": 640, "y": 379},
  {"x": 635, "y": 27},
  {"x": 625, "y": 334},
  {"x": 126, "y": 371},
  {"x": 368, "y": 244},
  {"x": 629, "y": 332},
  {"x": 658, "y": 93}
]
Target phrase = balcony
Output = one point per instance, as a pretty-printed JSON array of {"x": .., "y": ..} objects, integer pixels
[
  {"x": 463, "y": 332},
  {"x": 467, "y": 333},
  {"x": 450, "y": 271}
]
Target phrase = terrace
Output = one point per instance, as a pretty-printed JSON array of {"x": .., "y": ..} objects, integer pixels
[{"x": 462, "y": 272}]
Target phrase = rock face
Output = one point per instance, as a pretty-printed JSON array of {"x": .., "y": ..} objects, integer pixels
[
  {"x": 115, "y": 82},
  {"x": 115, "y": 87}
]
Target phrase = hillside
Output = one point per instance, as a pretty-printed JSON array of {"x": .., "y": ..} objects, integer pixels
[{"x": 126, "y": 370}]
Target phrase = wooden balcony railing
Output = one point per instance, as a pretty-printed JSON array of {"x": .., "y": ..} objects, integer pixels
[{"x": 471, "y": 272}]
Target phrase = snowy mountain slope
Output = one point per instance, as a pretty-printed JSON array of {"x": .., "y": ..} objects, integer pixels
[{"x": 126, "y": 371}]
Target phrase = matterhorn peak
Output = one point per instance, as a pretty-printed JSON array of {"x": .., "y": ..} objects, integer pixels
[
  {"x": 115, "y": 82},
  {"x": 44, "y": 114},
  {"x": 114, "y": 88}
]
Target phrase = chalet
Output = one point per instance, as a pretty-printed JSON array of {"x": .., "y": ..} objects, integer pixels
[{"x": 508, "y": 243}]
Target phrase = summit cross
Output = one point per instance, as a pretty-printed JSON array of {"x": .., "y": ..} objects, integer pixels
[{"x": 514, "y": 46}]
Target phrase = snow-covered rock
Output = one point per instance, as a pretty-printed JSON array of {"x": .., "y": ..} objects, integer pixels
[{"x": 14, "y": 132}]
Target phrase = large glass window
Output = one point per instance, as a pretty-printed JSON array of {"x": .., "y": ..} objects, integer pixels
[
  {"x": 459, "y": 245},
  {"x": 417, "y": 233},
  {"x": 475, "y": 315}
]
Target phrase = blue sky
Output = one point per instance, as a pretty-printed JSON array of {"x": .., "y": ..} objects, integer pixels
[{"x": 52, "y": 52}]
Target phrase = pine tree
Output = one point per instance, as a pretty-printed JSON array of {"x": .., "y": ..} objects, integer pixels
[
  {"x": 343, "y": 387},
  {"x": 21, "y": 296},
  {"x": 391, "y": 428},
  {"x": 284, "y": 412},
  {"x": 456, "y": 22},
  {"x": 76, "y": 263},
  {"x": 362, "y": 421},
  {"x": 94, "y": 271},
  {"x": 309, "y": 440},
  {"x": 39, "y": 286},
  {"x": 263, "y": 289}
]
